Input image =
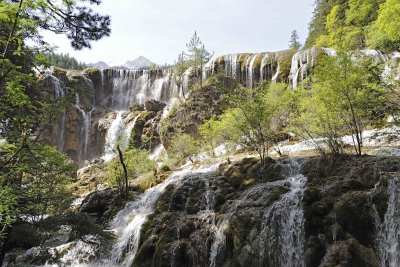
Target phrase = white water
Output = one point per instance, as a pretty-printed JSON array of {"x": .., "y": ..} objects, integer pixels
[
  {"x": 114, "y": 133},
  {"x": 231, "y": 65},
  {"x": 262, "y": 66},
  {"x": 59, "y": 92},
  {"x": 137, "y": 86},
  {"x": 388, "y": 238},
  {"x": 87, "y": 118},
  {"x": 219, "y": 232},
  {"x": 128, "y": 223},
  {"x": 283, "y": 236},
  {"x": 128, "y": 131},
  {"x": 250, "y": 70}
]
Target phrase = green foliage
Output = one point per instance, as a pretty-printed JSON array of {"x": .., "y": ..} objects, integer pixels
[
  {"x": 183, "y": 146},
  {"x": 197, "y": 55},
  {"x": 64, "y": 61},
  {"x": 294, "y": 42},
  {"x": 8, "y": 212},
  {"x": 137, "y": 163},
  {"x": 45, "y": 178},
  {"x": 255, "y": 117},
  {"x": 345, "y": 97},
  {"x": 35, "y": 179},
  {"x": 385, "y": 31},
  {"x": 355, "y": 24}
]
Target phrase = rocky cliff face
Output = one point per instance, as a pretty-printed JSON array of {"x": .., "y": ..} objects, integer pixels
[
  {"x": 81, "y": 130},
  {"x": 295, "y": 212}
]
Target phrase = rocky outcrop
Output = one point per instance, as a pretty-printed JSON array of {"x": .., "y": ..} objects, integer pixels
[
  {"x": 188, "y": 216},
  {"x": 146, "y": 132},
  {"x": 201, "y": 104},
  {"x": 344, "y": 197}
]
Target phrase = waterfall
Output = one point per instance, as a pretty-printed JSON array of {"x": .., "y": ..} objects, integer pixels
[
  {"x": 136, "y": 86},
  {"x": 128, "y": 223},
  {"x": 281, "y": 238},
  {"x": 302, "y": 61},
  {"x": 250, "y": 69},
  {"x": 219, "y": 235},
  {"x": 388, "y": 237},
  {"x": 115, "y": 131},
  {"x": 128, "y": 131},
  {"x": 230, "y": 65},
  {"x": 282, "y": 230},
  {"x": 87, "y": 117},
  {"x": 59, "y": 92},
  {"x": 262, "y": 66}
]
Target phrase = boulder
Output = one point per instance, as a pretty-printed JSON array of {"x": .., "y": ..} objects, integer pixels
[
  {"x": 98, "y": 202},
  {"x": 154, "y": 105}
]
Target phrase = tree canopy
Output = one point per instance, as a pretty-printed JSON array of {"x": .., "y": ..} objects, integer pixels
[{"x": 355, "y": 24}]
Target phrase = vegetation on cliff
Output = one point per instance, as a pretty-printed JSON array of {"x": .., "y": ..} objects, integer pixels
[
  {"x": 354, "y": 24},
  {"x": 35, "y": 178}
]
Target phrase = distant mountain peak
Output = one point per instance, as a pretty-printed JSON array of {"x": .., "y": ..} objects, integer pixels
[
  {"x": 100, "y": 65},
  {"x": 139, "y": 63}
]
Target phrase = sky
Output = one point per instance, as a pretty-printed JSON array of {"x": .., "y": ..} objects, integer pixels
[{"x": 160, "y": 29}]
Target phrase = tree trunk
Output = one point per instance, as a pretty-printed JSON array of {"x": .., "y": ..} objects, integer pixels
[{"x": 121, "y": 159}]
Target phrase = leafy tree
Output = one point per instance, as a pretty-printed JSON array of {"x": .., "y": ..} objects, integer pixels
[
  {"x": 254, "y": 120},
  {"x": 135, "y": 163},
  {"x": 8, "y": 212},
  {"x": 294, "y": 42},
  {"x": 180, "y": 67},
  {"x": 317, "y": 23},
  {"x": 38, "y": 175},
  {"x": 198, "y": 56},
  {"x": 385, "y": 31},
  {"x": 183, "y": 146},
  {"x": 345, "y": 97},
  {"x": 355, "y": 24}
]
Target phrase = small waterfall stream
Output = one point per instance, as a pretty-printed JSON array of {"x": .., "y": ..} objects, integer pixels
[
  {"x": 118, "y": 132},
  {"x": 388, "y": 237},
  {"x": 87, "y": 118},
  {"x": 59, "y": 92},
  {"x": 282, "y": 232},
  {"x": 282, "y": 236},
  {"x": 128, "y": 223}
]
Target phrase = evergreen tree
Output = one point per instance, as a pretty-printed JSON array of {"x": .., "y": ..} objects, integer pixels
[
  {"x": 198, "y": 56},
  {"x": 294, "y": 42}
]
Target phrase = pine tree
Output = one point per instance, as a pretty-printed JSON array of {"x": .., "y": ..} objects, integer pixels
[
  {"x": 294, "y": 41},
  {"x": 198, "y": 55}
]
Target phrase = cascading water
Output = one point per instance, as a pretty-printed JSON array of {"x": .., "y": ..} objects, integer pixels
[
  {"x": 388, "y": 237},
  {"x": 87, "y": 117},
  {"x": 231, "y": 65},
  {"x": 262, "y": 66},
  {"x": 251, "y": 70},
  {"x": 128, "y": 223},
  {"x": 281, "y": 238},
  {"x": 282, "y": 232},
  {"x": 59, "y": 92},
  {"x": 122, "y": 88},
  {"x": 115, "y": 131}
]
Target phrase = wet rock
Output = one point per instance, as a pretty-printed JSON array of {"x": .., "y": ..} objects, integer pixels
[
  {"x": 97, "y": 203},
  {"x": 154, "y": 105},
  {"x": 349, "y": 253}
]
